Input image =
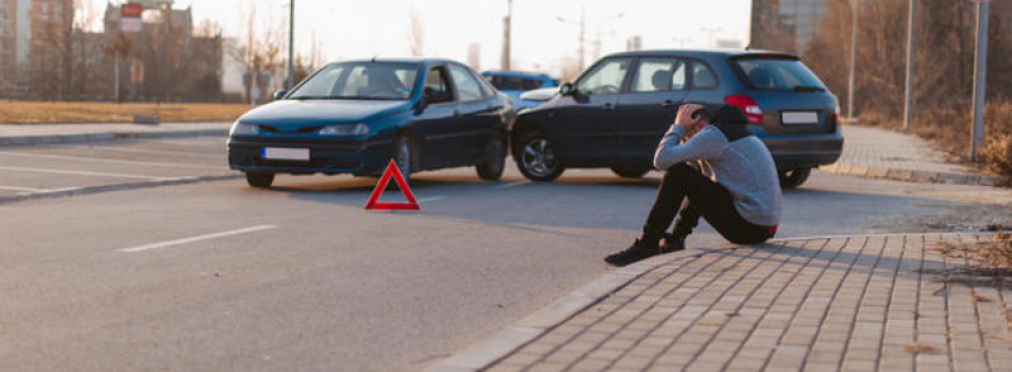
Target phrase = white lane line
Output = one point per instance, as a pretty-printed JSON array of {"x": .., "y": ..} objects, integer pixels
[
  {"x": 431, "y": 199},
  {"x": 110, "y": 161},
  {"x": 80, "y": 173},
  {"x": 512, "y": 184},
  {"x": 25, "y": 189},
  {"x": 160, "y": 152},
  {"x": 195, "y": 239}
]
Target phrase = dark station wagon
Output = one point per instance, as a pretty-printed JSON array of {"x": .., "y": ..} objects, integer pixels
[{"x": 616, "y": 112}]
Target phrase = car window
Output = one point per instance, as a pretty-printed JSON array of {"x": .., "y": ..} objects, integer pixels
[
  {"x": 606, "y": 78},
  {"x": 702, "y": 76},
  {"x": 659, "y": 74},
  {"x": 360, "y": 80},
  {"x": 466, "y": 86},
  {"x": 486, "y": 88},
  {"x": 777, "y": 74},
  {"x": 437, "y": 87}
]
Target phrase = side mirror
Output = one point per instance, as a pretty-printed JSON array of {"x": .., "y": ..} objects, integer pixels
[
  {"x": 279, "y": 94},
  {"x": 567, "y": 89}
]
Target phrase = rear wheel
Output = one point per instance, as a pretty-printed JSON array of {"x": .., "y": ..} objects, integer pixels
[
  {"x": 535, "y": 156},
  {"x": 257, "y": 179},
  {"x": 495, "y": 159},
  {"x": 792, "y": 178},
  {"x": 403, "y": 155},
  {"x": 630, "y": 172}
]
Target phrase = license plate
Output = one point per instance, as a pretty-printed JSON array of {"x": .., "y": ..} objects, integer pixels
[
  {"x": 277, "y": 153},
  {"x": 799, "y": 117}
]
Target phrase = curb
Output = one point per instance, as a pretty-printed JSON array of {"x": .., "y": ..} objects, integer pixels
[
  {"x": 95, "y": 137},
  {"x": 118, "y": 187},
  {"x": 504, "y": 343},
  {"x": 528, "y": 329},
  {"x": 908, "y": 175}
]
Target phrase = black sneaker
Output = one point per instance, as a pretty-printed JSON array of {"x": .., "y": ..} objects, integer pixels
[
  {"x": 638, "y": 251},
  {"x": 673, "y": 243}
]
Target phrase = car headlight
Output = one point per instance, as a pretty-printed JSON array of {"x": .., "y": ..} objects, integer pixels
[
  {"x": 359, "y": 129},
  {"x": 243, "y": 129}
]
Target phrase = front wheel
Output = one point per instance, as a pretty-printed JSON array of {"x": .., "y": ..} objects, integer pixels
[
  {"x": 535, "y": 156},
  {"x": 630, "y": 172},
  {"x": 259, "y": 179},
  {"x": 792, "y": 178},
  {"x": 402, "y": 155},
  {"x": 495, "y": 159}
]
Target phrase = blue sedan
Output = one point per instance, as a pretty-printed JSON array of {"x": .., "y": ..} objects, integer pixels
[{"x": 354, "y": 117}]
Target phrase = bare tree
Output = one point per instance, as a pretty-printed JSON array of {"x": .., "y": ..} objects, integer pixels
[
  {"x": 260, "y": 52},
  {"x": 416, "y": 33}
]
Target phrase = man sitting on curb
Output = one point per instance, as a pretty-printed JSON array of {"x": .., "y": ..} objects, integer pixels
[{"x": 739, "y": 195}]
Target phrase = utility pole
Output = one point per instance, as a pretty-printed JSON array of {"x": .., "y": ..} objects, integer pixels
[
  {"x": 979, "y": 79},
  {"x": 908, "y": 96},
  {"x": 583, "y": 32},
  {"x": 507, "y": 36},
  {"x": 291, "y": 45},
  {"x": 855, "y": 10}
]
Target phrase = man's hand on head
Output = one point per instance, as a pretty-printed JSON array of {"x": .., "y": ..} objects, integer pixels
[{"x": 685, "y": 119}]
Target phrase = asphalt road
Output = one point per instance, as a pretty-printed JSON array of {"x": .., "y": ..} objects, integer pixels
[{"x": 217, "y": 276}]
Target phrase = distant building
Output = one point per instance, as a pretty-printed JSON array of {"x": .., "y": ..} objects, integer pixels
[
  {"x": 33, "y": 38},
  {"x": 785, "y": 25},
  {"x": 474, "y": 56},
  {"x": 729, "y": 43},
  {"x": 634, "y": 43}
]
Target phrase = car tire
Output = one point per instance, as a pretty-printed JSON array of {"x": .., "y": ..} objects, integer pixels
[
  {"x": 257, "y": 179},
  {"x": 535, "y": 156},
  {"x": 403, "y": 155},
  {"x": 492, "y": 167},
  {"x": 793, "y": 178},
  {"x": 630, "y": 172}
]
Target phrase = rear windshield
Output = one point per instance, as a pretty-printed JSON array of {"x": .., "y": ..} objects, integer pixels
[
  {"x": 514, "y": 83},
  {"x": 778, "y": 74}
]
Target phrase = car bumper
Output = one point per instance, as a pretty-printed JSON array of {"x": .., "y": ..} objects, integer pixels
[
  {"x": 360, "y": 157},
  {"x": 804, "y": 151}
]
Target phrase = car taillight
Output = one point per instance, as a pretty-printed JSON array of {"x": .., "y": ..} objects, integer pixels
[
  {"x": 747, "y": 106},
  {"x": 836, "y": 110}
]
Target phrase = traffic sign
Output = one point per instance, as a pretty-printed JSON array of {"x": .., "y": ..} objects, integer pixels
[
  {"x": 374, "y": 204},
  {"x": 130, "y": 17}
]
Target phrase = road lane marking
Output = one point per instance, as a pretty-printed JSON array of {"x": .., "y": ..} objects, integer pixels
[
  {"x": 81, "y": 173},
  {"x": 110, "y": 161},
  {"x": 431, "y": 199},
  {"x": 512, "y": 184},
  {"x": 160, "y": 152},
  {"x": 195, "y": 239},
  {"x": 23, "y": 189}
]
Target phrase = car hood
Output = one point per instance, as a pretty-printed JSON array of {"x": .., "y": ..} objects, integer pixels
[{"x": 295, "y": 114}]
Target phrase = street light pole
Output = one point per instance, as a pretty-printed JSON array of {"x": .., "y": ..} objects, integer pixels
[
  {"x": 291, "y": 45},
  {"x": 908, "y": 96},
  {"x": 583, "y": 31},
  {"x": 507, "y": 36},
  {"x": 979, "y": 79},
  {"x": 855, "y": 9}
]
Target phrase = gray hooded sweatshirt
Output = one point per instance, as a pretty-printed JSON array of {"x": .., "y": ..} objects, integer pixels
[{"x": 731, "y": 157}]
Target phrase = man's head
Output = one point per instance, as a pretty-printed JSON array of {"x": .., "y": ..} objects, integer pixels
[{"x": 693, "y": 117}]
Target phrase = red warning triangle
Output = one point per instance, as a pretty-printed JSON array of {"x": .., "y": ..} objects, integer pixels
[{"x": 374, "y": 204}]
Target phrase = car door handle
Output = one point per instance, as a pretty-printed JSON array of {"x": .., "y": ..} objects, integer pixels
[
  {"x": 607, "y": 107},
  {"x": 495, "y": 108},
  {"x": 456, "y": 113},
  {"x": 668, "y": 104}
]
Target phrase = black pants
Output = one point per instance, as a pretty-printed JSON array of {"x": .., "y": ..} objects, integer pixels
[{"x": 701, "y": 197}]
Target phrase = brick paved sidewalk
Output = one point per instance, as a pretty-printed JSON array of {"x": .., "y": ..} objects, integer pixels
[
  {"x": 880, "y": 153},
  {"x": 871, "y": 303}
]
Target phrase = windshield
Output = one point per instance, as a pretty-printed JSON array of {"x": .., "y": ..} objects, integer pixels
[
  {"x": 514, "y": 83},
  {"x": 778, "y": 74},
  {"x": 360, "y": 80}
]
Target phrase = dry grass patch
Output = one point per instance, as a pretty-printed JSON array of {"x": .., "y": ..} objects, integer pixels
[{"x": 102, "y": 112}]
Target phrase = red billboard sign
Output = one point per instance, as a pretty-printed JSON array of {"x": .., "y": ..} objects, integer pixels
[{"x": 131, "y": 10}]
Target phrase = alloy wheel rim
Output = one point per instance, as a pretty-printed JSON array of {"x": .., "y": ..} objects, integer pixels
[{"x": 538, "y": 157}]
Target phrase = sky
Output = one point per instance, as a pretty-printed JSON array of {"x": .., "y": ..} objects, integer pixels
[{"x": 541, "y": 42}]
